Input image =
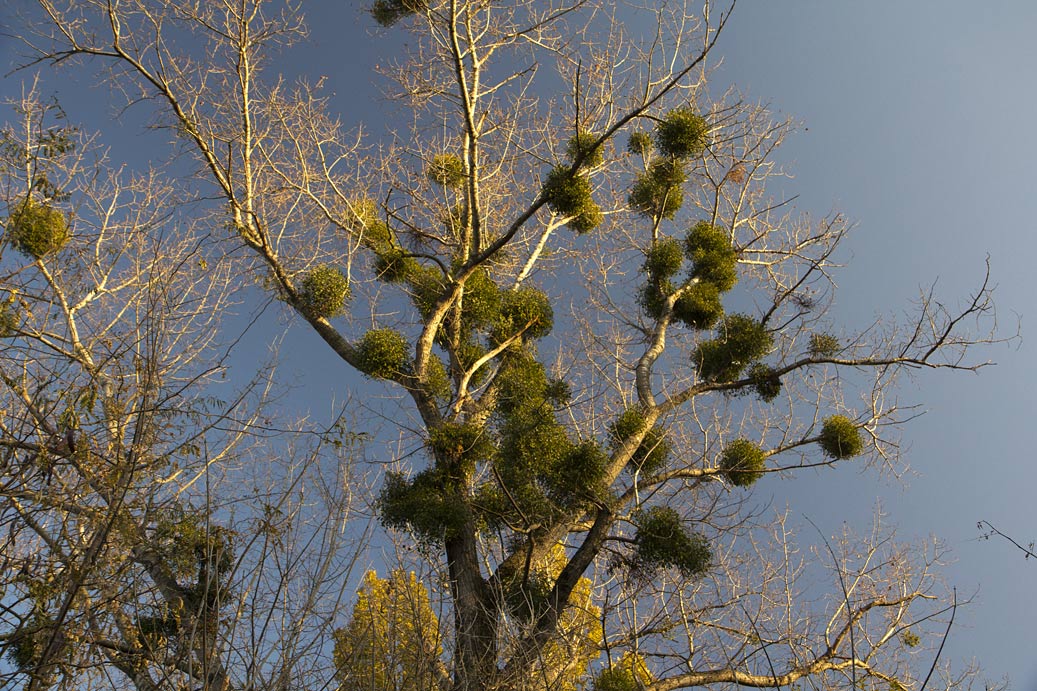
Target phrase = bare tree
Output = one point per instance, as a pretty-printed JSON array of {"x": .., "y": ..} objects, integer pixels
[
  {"x": 561, "y": 174},
  {"x": 126, "y": 543}
]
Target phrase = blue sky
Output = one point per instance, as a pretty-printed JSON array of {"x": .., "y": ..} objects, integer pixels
[{"x": 918, "y": 123}]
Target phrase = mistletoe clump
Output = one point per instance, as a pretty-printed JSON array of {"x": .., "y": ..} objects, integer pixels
[
  {"x": 422, "y": 506},
  {"x": 742, "y": 462},
  {"x": 662, "y": 541},
  {"x": 714, "y": 259},
  {"x": 8, "y": 319},
  {"x": 393, "y": 265},
  {"x": 640, "y": 143},
  {"x": 382, "y": 354},
  {"x": 389, "y": 12},
  {"x": 766, "y": 382},
  {"x": 682, "y": 133},
  {"x": 580, "y": 477},
  {"x": 446, "y": 170},
  {"x": 585, "y": 144},
  {"x": 657, "y": 193},
  {"x": 464, "y": 445},
  {"x": 741, "y": 340},
  {"x": 569, "y": 195},
  {"x": 840, "y": 438},
  {"x": 325, "y": 291},
  {"x": 36, "y": 229},
  {"x": 654, "y": 450},
  {"x": 664, "y": 259},
  {"x": 823, "y": 345},
  {"x": 526, "y": 310},
  {"x": 699, "y": 306}
]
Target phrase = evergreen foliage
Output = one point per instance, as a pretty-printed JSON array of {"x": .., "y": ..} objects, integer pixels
[
  {"x": 37, "y": 229},
  {"x": 742, "y": 462},
  {"x": 766, "y": 382},
  {"x": 699, "y": 306},
  {"x": 426, "y": 506},
  {"x": 740, "y": 341},
  {"x": 682, "y": 133},
  {"x": 382, "y": 354},
  {"x": 569, "y": 194},
  {"x": 664, "y": 259},
  {"x": 324, "y": 292},
  {"x": 640, "y": 143},
  {"x": 713, "y": 258},
  {"x": 629, "y": 673},
  {"x": 389, "y": 12},
  {"x": 525, "y": 310},
  {"x": 654, "y": 450},
  {"x": 663, "y": 541},
  {"x": 657, "y": 193},
  {"x": 840, "y": 438},
  {"x": 446, "y": 170},
  {"x": 823, "y": 345},
  {"x": 583, "y": 144}
]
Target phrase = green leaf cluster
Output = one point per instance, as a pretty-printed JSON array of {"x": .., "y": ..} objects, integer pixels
[
  {"x": 569, "y": 194},
  {"x": 663, "y": 541},
  {"x": 37, "y": 229},
  {"x": 629, "y": 673},
  {"x": 526, "y": 308},
  {"x": 427, "y": 506},
  {"x": 840, "y": 438},
  {"x": 324, "y": 292},
  {"x": 681, "y": 133},
  {"x": 658, "y": 193},
  {"x": 823, "y": 345},
  {"x": 714, "y": 260},
  {"x": 584, "y": 144},
  {"x": 382, "y": 354},
  {"x": 446, "y": 170},
  {"x": 765, "y": 381},
  {"x": 742, "y": 462},
  {"x": 654, "y": 450},
  {"x": 640, "y": 143},
  {"x": 740, "y": 341},
  {"x": 389, "y": 12}
]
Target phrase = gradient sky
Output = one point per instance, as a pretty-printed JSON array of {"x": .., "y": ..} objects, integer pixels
[{"x": 918, "y": 123}]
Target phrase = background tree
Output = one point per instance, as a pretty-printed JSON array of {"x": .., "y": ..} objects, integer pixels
[
  {"x": 139, "y": 540},
  {"x": 701, "y": 358}
]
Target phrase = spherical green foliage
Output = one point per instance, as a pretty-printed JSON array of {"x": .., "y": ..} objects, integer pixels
[
  {"x": 699, "y": 307},
  {"x": 823, "y": 345},
  {"x": 426, "y": 287},
  {"x": 658, "y": 192},
  {"x": 570, "y": 195},
  {"x": 36, "y": 229},
  {"x": 640, "y": 143},
  {"x": 652, "y": 297},
  {"x": 629, "y": 673},
  {"x": 663, "y": 541},
  {"x": 740, "y": 341},
  {"x": 437, "y": 380},
  {"x": 388, "y": 12},
  {"x": 682, "y": 133},
  {"x": 446, "y": 170},
  {"x": 324, "y": 292},
  {"x": 654, "y": 450},
  {"x": 558, "y": 392},
  {"x": 713, "y": 258},
  {"x": 481, "y": 304},
  {"x": 382, "y": 353},
  {"x": 580, "y": 475},
  {"x": 840, "y": 438},
  {"x": 766, "y": 382},
  {"x": 527, "y": 310},
  {"x": 393, "y": 265},
  {"x": 25, "y": 648},
  {"x": 422, "y": 506},
  {"x": 664, "y": 258},
  {"x": 583, "y": 143},
  {"x": 8, "y": 319},
  {"x": 462, "y": 446},
  {"x": 742, "y": 462}
]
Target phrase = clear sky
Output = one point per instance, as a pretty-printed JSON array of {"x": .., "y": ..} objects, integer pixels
[{"x": 918, "y": 123}]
